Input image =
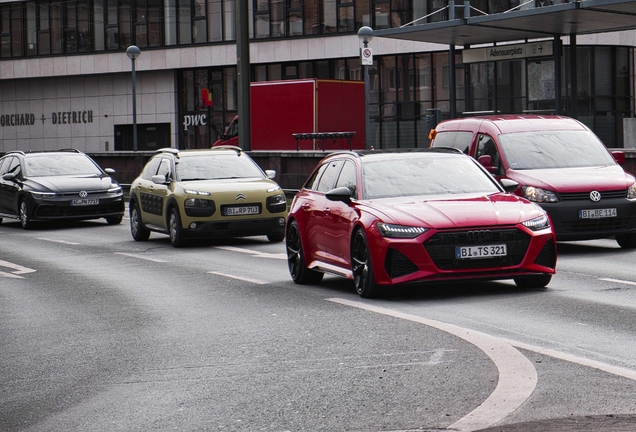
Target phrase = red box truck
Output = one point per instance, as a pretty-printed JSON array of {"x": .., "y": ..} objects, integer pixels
[{"x": 280, "y": 109}]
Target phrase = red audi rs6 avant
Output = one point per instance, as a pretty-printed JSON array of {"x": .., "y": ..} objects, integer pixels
[{"x": 386, "y": 217}]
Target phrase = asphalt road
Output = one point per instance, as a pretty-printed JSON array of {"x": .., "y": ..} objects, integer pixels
[{"x": 101, "y": 333}]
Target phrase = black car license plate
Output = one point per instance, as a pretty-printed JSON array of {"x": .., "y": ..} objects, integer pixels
[{"x": 85, "y": 202}]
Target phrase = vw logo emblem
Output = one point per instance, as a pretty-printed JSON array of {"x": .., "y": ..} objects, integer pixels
[
  {"x": 595, "y": 196},
  {"x": 83, "y": 194},
  {"x": 241, "y": 197},
  {"x": 478, "y": 235}
]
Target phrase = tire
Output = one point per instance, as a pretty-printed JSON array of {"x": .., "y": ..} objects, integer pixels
[
  {"x": 300, "y": 274},
  {"x": 626, "y": 241},
  {"x": 534, "y": 281},
  {"x": 362, "y": 267},
  {"x": 137, "y": 229},
  {"x": 114, "y": 220},
  {"x": 276, "y": 238},
  {"x": 25, "y": 217},
  {"x": 175, "y": 230}
]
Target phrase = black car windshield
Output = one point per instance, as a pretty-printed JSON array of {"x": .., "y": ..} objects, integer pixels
[
  {"x": 424, "y": 175},
  {"x": 72, "y": 164},
  {"x": 216, "y": 167},
  {"x": 554, "y": 149}
]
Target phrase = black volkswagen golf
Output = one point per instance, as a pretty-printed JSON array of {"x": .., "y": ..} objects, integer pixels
[{"x": 63, "y": 184}]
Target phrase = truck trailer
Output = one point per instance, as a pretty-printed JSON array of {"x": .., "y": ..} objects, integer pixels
[{"x": 303, "y": 114}]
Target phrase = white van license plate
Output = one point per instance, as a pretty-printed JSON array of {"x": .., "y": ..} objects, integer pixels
[
  {"x": 468, "y": 252},
  {"x": 597, "y": 213}
]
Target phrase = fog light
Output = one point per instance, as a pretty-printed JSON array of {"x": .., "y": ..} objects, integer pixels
[
  {"x": 281, "y": 221},
  {"x": 193, "y": 225}
]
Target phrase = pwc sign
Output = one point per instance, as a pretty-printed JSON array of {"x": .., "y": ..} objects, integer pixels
[{"x": 194, "y": 120}]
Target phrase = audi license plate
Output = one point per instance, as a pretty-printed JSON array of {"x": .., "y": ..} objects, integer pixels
[
  {"x": 242, "y": 210},
  {"x": 597, "y": 213},
  {"x": 85, "y": 202},
  {"x": 468, "y": 252}
]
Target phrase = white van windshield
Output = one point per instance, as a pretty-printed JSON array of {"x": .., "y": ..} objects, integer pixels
[{"x": 554, "y": 149}]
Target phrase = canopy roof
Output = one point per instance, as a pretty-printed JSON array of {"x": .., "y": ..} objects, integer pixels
[{"x": 578, "y": 18}]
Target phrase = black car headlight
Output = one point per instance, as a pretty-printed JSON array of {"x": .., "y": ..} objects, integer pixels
[
  {"x": 115, "y": 190},
  {"x": 399, "y": 231},
  {"x": 537, "y": 224},
  {"x": 43, "y": 195}
]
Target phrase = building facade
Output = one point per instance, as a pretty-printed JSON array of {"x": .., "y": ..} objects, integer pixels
[{"x": 66, "y": 80}]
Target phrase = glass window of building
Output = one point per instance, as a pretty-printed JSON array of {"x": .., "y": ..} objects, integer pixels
[
  {"x": 215, "y": 21},
  {"x": 44, "y": 38}
]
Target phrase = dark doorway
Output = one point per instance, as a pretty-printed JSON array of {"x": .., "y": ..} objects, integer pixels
[{"x": 149, "y": 136}]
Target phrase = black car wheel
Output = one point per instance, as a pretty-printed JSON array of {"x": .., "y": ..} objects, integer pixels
[
  {"x": 626, "y": 241},
  {"x": 174, "y": 225},
  {"x": 25, "y": 218},
  {"x": 137, "y": 229},
  {"x": 361, "y": 267},
  {"x": 300, "y": 274},
  {"x": 534, "y": 281},
  {"x": 114, "y": 220}
]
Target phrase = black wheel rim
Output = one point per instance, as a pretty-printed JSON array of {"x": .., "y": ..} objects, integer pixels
[
  {"x": 24, "y": 213},
  {"x": 294, "y": 251},
  {"x": 360, "y": 265}
]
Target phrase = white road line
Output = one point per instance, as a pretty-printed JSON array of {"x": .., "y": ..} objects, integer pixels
[
  {"x": 258, "y": 282},
  {"x": 18, "y": 268},
  {"x": 10, "y": 275},
  {"x": 280, "y": 256},
  {"x": 141, "y": 257},
  {"x": 617, "y": 281},
  {"x": 59, "y": 241},
  {"x": 517, "y": 375},
  {"x": 615, "y": 370}
]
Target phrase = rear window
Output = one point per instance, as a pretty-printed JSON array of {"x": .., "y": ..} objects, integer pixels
[
  {"x": 459, "y": 140},
  {"x": 554, "y": 149}
]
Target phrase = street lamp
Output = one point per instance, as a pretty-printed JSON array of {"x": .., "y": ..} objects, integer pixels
[
  {"x": 365, "y": 34},
  {"x": 133, "y": 52}
]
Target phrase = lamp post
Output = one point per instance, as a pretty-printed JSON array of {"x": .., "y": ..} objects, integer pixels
[
  {"x": 365, "y": 34},
  {"x": 133, "y": 52}
]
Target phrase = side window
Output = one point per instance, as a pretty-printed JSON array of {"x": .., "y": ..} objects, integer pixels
[
  {"x": 151, "y": 169},
  {"x": 486, "y": 147},
  {"x": 328, "y": 179},
  {"x": 348, "y": 178},
  {"x": 1, "y": 163},
  {"x": 164, "y": 168},
  {"x": 459, "y": 140},
  {"x": 312, "y": 182},
  {"x": 14, "y": 165}
]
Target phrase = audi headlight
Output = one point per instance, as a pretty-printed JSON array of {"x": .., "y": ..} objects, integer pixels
[
  {"x": 399, "y": 231},
  {"x": 537, "y": 224},
  {"x": 539, "y": 195},
  {"x": 631, "y": 191},
  {"x": 43, "y": 195}
]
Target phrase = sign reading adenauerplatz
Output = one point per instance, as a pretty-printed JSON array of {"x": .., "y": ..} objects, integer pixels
[{"x": 507, "y": 52}]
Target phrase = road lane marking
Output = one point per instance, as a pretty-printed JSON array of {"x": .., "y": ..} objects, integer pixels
[
  {"x": 18, "y": 270},
  {"x": 254, "y": 281},
  {"x": 59, "y": 241},
  {"x": 605, "y": 367},
  {"x": 617, "y": 281},
  {"x": 517, "y": 375},
  {"x": 280, "y": 256},
  {"x": 141, "y": 257}
]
